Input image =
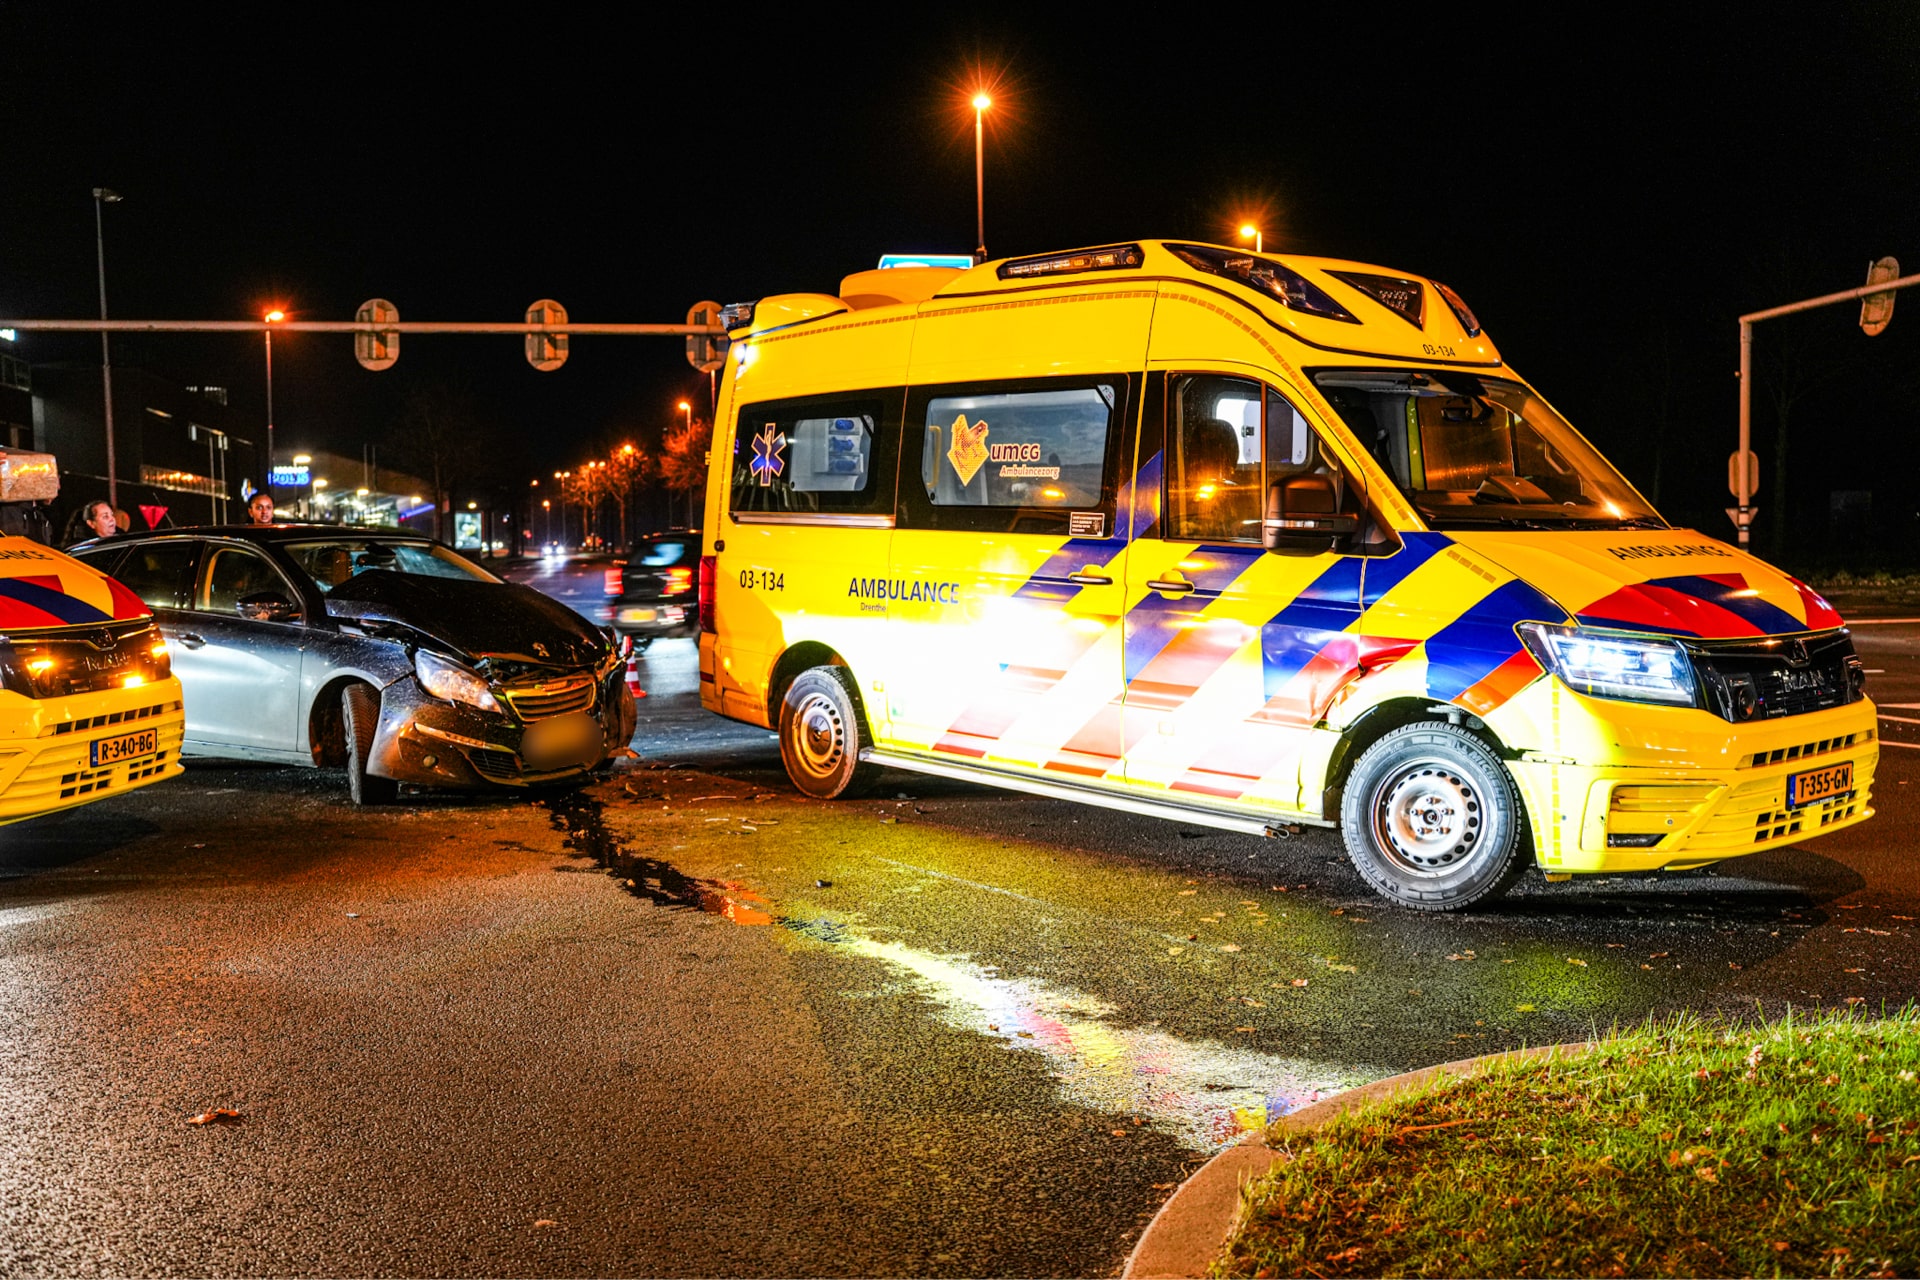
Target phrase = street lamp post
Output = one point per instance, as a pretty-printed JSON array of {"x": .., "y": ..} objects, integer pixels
[
  {"x": 103, "y": 195},
  {"x": 686, "y": 410},
  {"x": 980, "y": 104},
  {"x": 273, "y": 317},
  {"x": 1251, "y": 232}
]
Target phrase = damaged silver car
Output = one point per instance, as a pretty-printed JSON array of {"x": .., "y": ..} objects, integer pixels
[{"x": 381, "y": 652}]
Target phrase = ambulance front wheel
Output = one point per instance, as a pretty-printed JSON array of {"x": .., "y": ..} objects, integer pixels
[
  {"x": 1432, "y": 819},
  {"x": 821, "y": 735}
]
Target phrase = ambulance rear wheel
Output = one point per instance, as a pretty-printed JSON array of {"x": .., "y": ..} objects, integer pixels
[
  {"x": 1432, "y": 819},
  {"x": 821, "y": 735}
]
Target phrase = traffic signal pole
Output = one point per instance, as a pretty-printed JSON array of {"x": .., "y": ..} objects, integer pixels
[{"x": 1743, "y": 487}]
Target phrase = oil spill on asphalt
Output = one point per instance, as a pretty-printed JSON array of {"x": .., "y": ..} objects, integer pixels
[
  {"x": 578, "y": 816},
  {"x": 1204, "y": 1095}
]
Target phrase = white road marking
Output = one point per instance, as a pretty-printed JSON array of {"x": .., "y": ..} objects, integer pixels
[
  {"x": 1901, "y": 719},
  {"x": 1901, "y": 706},
  {"x": 1889, "y": 742},
  {"x": 1881, "y": 622}
]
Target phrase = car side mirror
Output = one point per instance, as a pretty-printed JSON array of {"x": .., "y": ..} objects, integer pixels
[
  {"x": 1303, "y": 515},
  {"x": 267, "y": 606}
]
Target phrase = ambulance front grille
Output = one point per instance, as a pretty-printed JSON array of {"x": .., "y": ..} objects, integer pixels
[{"x": 1805, "y": 749}]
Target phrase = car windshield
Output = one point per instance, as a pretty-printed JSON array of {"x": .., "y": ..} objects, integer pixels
[
  {"x": 330, "y": 562},
  {"x": 1474, "y": 452}
]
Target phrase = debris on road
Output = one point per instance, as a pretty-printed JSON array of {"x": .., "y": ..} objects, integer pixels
[{"x": 219, "y": 1115}]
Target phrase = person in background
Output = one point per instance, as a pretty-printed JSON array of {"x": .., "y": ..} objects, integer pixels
[
  {"x": 91, "y": 521},
  {"x": 260, "y": 508}
]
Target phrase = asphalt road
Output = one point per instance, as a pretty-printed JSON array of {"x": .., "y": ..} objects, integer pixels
[{"x": 685, "y": 1022}]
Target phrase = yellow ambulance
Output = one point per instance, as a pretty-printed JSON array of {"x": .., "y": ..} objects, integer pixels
[
  {"x": 89, "y": 705},
  {"x": 1249, "y": 541}
]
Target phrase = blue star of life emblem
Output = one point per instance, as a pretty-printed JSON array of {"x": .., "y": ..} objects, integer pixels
[{"x": 767, "y": 462}]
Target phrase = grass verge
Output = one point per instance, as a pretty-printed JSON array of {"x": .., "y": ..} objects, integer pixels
[{"x": 1685, "y": 1148}]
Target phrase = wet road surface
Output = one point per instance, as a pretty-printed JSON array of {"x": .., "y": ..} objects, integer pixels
[{"x": 686, "y": 1022}]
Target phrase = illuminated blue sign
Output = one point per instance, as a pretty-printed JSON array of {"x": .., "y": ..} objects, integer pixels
[
  {"x": 957, "y": 261},
  {"x": 293, "y": 477}
]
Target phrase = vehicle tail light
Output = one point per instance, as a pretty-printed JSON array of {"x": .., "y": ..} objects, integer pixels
[
  {"x": 679, "y": 582},
  {"x": 709, "y": 576},
  {"x": 612, "y": 580}
]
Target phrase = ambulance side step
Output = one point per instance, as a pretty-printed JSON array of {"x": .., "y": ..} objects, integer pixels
[{"x": 1276, "y": 826}]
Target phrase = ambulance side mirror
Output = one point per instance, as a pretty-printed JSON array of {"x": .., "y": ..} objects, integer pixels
[{"x": 1303, "y": 514}]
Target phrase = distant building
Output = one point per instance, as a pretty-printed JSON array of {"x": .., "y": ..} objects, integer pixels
[{"x": 178, "y": 451}]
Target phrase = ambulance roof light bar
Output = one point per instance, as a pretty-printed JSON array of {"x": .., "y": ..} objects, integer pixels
[{"x": 1113, "y": 257}]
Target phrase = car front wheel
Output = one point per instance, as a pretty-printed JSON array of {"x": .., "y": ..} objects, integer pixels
[
  {"x": 360, "y": 713},
  {"x": 1432, "y": 819}
]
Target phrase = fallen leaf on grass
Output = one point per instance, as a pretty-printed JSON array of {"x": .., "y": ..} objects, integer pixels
[
  {"x": 1299, "y": 982},
  {"x": 1188, "y": 893},
  {"x": 1733, "y": 964},
  {"x": 1523, "y": 1008},
  {"x": 1174, "y": 951},
  {"x": 1244, "y": 1030},
  {"x": 1659, "y": 955},
  {"x": 219, "y": 1115},
  {"x": 1340, "y": 968},
  {"x": 1231, "y": 946},
  {"x": 1577, "y": 960},
  {"x": 1855, "y": 999},
  {"x": 545, "y": 1222},
  {"x": 1853, "y": 971}
]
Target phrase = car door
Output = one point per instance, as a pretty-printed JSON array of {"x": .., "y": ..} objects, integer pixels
[
  {"x": 1233, "y": 651},
  {"x": 240, "y": 676}
]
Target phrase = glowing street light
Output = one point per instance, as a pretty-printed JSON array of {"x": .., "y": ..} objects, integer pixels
[
  {"x": 980, "y": 104},
  {"x": 1250, "y": 232}
]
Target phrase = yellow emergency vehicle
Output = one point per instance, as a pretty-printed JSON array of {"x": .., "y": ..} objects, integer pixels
[
  {"x": 89, "y": 705},
  {"x": 1248, "y": 540}
]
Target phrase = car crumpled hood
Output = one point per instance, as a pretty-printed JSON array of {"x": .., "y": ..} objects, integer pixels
[
  {"x": 480, "y": 619},
  {"x": 1672, "y": 581}
]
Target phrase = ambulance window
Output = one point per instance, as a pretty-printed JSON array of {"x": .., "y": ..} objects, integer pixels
[
  {"x": 809, "y": 457},
  {"x": 1023, "y": 449},
  {"x": 1213, "y": 489}
]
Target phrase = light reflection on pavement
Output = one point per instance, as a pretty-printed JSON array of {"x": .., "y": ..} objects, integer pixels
[{"x": 1203, "y": 1095}]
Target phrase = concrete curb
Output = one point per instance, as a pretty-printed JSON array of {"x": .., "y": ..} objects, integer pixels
[{"x": 1187, "y": 1234}]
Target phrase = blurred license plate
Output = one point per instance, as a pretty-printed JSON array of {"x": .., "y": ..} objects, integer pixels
[
  {"x": 125, "y": 747},
  {"x": 639, "y": 615},
  {"x": 1818, "y": 784}
]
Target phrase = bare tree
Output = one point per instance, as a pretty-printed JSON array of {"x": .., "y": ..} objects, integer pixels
[
  {"x": 683, "y": 461},
  {"x": 438, "y": 426},
  {"x": 627, "y": 466}
]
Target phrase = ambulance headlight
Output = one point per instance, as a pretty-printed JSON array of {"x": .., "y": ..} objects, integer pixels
[{"x": 1605, "y": 664}]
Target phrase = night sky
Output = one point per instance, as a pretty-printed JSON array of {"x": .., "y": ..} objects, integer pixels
[{"x": 1608, "y": 191}]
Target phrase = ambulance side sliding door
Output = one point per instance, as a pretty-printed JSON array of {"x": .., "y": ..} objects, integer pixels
[{"x": 1005, "y": 591}]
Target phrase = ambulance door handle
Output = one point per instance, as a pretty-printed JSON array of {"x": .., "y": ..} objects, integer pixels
[
  {"x": 1087, "y": 578},
  {"x": 192, "y": 641},
  {"x": 1174, "y": 588}
]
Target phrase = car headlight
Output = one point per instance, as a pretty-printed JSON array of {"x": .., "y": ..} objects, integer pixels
[
  {"x": 1607, "y": 665},
  {"x": 452, "y": 682}
]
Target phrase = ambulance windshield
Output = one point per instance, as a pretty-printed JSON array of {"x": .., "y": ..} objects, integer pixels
[{"x": 1475, "y": 452}]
